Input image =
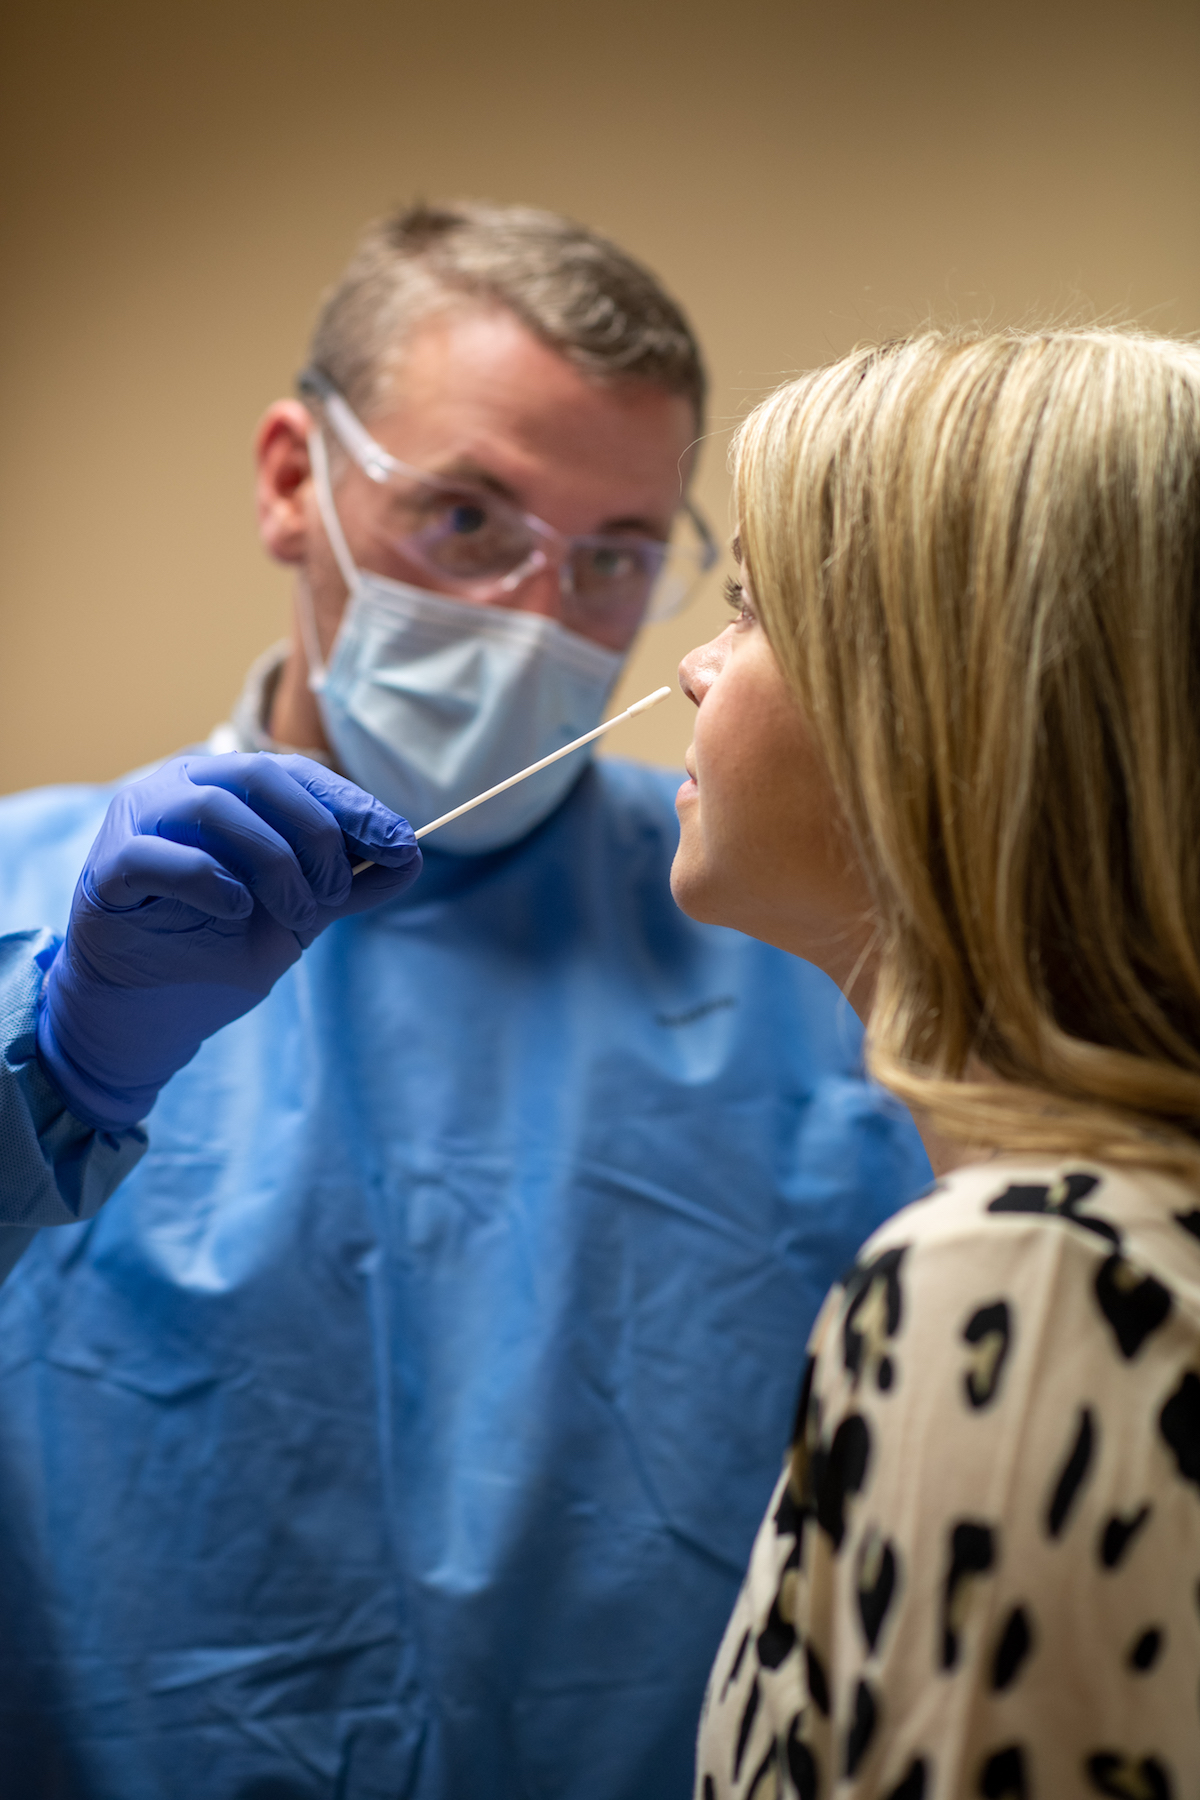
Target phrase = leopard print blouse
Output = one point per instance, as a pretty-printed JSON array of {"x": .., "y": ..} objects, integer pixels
[{"x": 980, "y": 1572}]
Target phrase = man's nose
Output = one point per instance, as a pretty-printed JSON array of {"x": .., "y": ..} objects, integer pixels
[
  {"x": 541, "y": 591},
  {"x": 701, "y": 666}
]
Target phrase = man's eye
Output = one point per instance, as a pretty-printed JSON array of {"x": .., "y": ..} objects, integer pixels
[
  {"x": 621, "y": 562},
  {"x": 610, "y": 563},
  {"x": 466, "y": 517}
]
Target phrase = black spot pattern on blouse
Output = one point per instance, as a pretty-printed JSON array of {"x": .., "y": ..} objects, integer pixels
[
  {"x": 1074, "y": 1474},
  {"x": 989, "y": 1545},
  {"x": 776, "y": 1639},
  {"x": 1003, "y": 1776},
  {"x": 911, "y": 1785},
  {"x": 862, "y": 1727},
  {"x": 762, "y": 1782},
  {"x": 988, "y": 1330},
  {"x": 1062, "y": 1201},
  {"x": 805, "y": 1402},
  {"x": 838, "y": 1473},
  {"x": 735, "y": 1667},
  {"x": 1119, "y": 1533},
  {"x": 801, "y": 1763},
  {"x": 874, "y": 1310},
  {"x": 1127, "y": 1777},
  {"x": 972, "y": 1552},
  {"x": 818, "y": 1681},
  {"x": 877, "y": 1576},
  {"x": 746, "y": 1727},
  {"x": 1144, "y": 1653},
  {"x": 1180, "y": 1425},
  {"x": 789, "y": 1514},
  {"x": 1135, "y": 1304},
  {"x": 1016, "y": 1641}
]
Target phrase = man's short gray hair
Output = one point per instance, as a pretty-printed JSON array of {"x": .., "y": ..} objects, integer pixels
[{"x": 575, "y": 291}]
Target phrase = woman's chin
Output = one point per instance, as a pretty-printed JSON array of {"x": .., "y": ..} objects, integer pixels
[
  {"x": 708, "y": 895},
  {"x": 692, "y": 888}
]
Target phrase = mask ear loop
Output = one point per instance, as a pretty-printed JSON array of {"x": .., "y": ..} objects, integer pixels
[{"x": 323, "y": 490}]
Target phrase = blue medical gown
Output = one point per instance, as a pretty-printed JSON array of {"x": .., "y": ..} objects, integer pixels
[
  {"x": 53, "y": 1168},
  {"x": 402, "y": 1425}
]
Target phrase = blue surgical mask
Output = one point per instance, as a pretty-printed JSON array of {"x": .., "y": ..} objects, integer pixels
[{"x": 426, "y": 701}]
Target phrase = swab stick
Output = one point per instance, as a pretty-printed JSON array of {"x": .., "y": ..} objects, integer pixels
[{"x": 631, "y": 712}]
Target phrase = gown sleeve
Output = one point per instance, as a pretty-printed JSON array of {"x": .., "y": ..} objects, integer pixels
[
  {"x": 54, "y": 1170},
  {"x": 978, "y": 1574}
]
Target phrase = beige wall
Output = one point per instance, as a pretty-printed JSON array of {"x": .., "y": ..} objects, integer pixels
[{"x": 180, "y": 182}]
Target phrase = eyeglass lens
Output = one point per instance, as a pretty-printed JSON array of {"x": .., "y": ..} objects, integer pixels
[{"x": 471, "y": 537}]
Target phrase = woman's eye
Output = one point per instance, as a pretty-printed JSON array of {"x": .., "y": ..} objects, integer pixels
[{"x": 735, "y": 596}]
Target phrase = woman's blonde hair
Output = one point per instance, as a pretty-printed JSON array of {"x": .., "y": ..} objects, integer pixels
[{"x": 977, "y": 560}]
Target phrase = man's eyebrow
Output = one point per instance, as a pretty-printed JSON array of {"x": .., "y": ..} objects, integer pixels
[
  {"x": 465, "y": 468},
  {"x": 644, "y": 527}
]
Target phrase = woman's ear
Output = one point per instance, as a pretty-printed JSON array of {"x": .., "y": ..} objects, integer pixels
[{"x": 283, "y": 473}]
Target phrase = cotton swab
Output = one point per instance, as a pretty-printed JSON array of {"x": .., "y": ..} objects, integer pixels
[{"x": 631, "y": 712}]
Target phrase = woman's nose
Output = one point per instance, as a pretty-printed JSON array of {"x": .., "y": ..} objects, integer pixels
[{"x": 701, "y": 666}]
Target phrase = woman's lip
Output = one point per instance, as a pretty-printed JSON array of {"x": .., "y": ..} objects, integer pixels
[{"x": 686, "y": 789}]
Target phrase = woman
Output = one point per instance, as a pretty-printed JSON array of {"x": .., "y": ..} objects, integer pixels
[{"x": 949, "y": 749}]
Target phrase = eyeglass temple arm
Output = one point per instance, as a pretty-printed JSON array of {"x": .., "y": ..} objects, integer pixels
[
  {"x": 371, "y": 457},
  {"x": 709, "y": 551}
]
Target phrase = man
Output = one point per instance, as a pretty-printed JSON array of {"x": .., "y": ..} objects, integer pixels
[{"x": 454, "y": 1308}]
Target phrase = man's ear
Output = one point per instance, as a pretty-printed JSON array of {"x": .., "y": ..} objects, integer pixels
[{"x": 283, "y": 474}]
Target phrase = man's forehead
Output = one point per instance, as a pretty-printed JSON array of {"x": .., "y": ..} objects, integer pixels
[
  {"x": 487, "y": 349},
  {"x": 473, "y": 391}
]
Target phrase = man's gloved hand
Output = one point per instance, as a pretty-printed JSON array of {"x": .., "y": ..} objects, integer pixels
[{"x": 205, "y": 883}]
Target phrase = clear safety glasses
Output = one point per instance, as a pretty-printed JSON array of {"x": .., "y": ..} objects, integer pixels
[{"x": 478, "y": 545}]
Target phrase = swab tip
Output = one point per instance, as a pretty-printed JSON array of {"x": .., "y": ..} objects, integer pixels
[{"x": 640, "y": 706}]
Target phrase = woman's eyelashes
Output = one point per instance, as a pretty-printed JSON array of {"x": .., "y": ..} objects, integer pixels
[{"x": 735, "y": 596}]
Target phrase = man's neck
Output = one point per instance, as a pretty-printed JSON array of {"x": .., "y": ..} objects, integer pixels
[{"x": 295, "y": 717}]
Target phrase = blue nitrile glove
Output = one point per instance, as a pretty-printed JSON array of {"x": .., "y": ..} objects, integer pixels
[{"x": 205, "y": 883}]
